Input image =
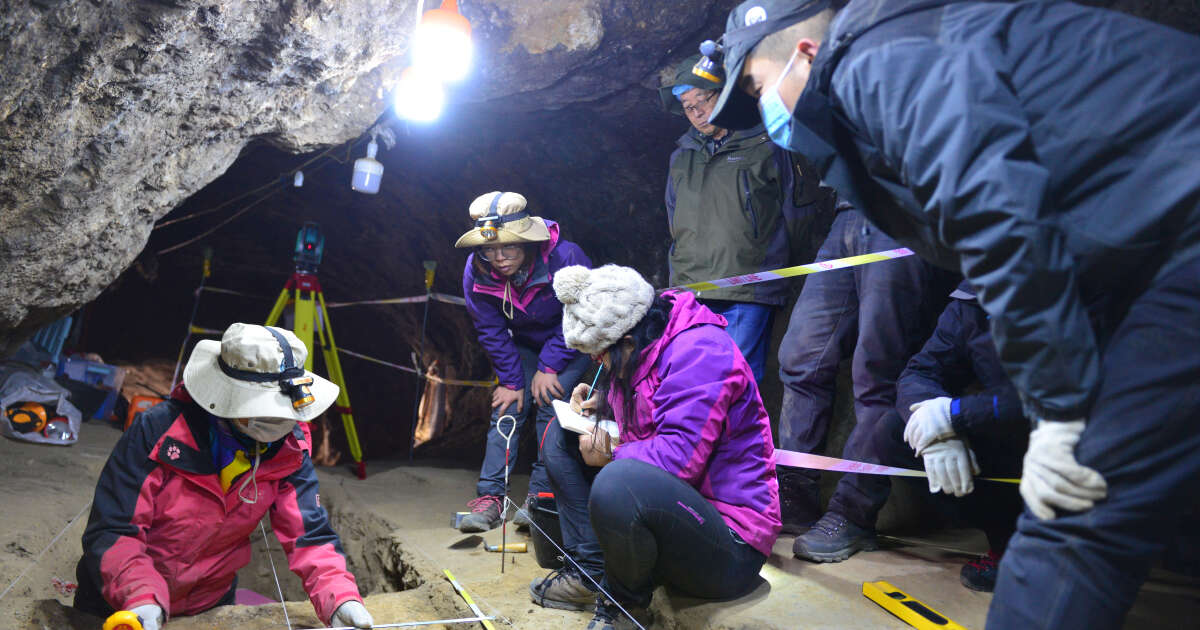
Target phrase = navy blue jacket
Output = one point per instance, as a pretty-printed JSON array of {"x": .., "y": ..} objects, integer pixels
[
  {"x": 1048, "y": 151},
  {"x": 960, "y": 362}
]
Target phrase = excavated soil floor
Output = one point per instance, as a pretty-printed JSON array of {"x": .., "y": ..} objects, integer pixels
[{"x": 396, "y": 531}]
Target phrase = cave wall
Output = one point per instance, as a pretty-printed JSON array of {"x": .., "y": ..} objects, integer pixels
[
  {"x": 114, "y": 113},
  {"x": 120, "y": 115}
]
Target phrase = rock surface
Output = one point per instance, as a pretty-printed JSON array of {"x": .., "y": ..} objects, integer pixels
[{"x": 113, "y": 113}]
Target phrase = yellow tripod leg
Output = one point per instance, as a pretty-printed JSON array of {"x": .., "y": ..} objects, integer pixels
[
  {"x": 306, "y": 319},
  {"x": 334, "y": 365},
  {"x": 908, "y": 609},
  {"x": 277, "y": 310}
]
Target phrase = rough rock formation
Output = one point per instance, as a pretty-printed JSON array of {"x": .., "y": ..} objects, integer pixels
[{"x": 115, "y": 112}]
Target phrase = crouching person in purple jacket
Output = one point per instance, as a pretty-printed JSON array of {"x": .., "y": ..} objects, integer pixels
[
  {"x": 506, "y": 284},
  {"x": 688, "y": 496}
]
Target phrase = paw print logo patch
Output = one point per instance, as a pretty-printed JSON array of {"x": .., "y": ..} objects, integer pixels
[{"x": 173, "y": 452}]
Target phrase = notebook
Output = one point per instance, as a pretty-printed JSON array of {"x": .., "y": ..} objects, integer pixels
[{"x": 582, "y": 425}]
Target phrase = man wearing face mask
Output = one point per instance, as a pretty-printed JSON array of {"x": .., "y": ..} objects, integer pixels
[
  {"x": 188, "y": 483},
  {"x": 1048, "y": 150},
  {"x": 878, "y": 315}
]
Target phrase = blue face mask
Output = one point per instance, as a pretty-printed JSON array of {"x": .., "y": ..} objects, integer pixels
[{"x": 776, "y": 116}]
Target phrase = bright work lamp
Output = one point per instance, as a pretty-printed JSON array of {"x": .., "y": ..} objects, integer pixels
[
  {"x": 418, "y": 96},
  {"x": 442, "y": 46}
]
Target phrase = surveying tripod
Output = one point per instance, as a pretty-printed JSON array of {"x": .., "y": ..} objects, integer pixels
[{"x": 310, "y": 245}]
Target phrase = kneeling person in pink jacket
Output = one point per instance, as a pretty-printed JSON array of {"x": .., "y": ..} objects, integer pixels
[
  {"x": 688, "y": 497},
  {"x": 188, "y": 483}
]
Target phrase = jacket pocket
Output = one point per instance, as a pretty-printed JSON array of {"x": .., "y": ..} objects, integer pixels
[{"x": 748, "y": 200}]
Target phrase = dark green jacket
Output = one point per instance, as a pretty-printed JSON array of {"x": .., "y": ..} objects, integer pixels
[{"x": 739, "y": 209}]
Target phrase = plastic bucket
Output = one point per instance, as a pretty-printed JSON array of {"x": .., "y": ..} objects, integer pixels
[{"x": 545, "y": 517}]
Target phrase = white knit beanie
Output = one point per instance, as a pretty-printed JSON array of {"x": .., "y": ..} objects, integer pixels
[{"x": 600, "y": 305}]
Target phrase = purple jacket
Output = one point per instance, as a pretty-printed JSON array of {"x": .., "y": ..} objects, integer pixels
[
  {"x": 699, "y": 417},
  {"x": 537, "y": 313}
]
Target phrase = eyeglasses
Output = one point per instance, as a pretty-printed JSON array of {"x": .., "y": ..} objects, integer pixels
[
  {"x": 507, "y": 252},
  {"x": 695, "y": 110}
]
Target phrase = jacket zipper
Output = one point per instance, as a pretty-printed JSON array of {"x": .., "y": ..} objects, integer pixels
[{"x": 748, "y": 202}]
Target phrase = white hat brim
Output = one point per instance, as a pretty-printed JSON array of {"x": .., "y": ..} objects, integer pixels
[{"x": 227, "y": 397}]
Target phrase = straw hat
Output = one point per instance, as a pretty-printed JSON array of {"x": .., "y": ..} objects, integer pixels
[
  {"x": 256, "y": 372},
  {"x": 501, "y": 219}
]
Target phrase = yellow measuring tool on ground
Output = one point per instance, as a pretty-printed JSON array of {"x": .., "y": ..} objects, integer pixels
[
  {"x": 310, "y": 314},
  {"x": 907, "y": 608},
  {"x": 123, "y": 620}
]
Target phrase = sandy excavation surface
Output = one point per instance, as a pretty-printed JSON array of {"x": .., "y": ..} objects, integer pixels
[{"x": 395, "y": 527}]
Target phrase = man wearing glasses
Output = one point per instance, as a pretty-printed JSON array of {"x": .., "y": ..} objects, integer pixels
[{"x": 735, "y": 205}]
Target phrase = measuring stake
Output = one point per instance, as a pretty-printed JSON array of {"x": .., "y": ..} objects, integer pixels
[
  {"x": 504, "y": 506},
  {"x": 907, "y": 608},
  {"x": 486, "y": 621}
]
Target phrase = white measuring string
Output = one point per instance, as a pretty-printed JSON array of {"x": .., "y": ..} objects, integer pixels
[
  {"x": 41, "y": 553},
  {"x": 278, "y": 588},
  {"x": 410, "y": 624},
  {"x": 567, "y": 556}
]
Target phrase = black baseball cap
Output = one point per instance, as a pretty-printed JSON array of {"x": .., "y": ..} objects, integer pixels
[
  {"x": 697, "y": 71},
  {"x": 747, "y": 25}
]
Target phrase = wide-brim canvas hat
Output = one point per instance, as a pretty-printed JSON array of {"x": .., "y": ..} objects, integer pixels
[
  {"x": 256, "y": 372},
  {"x": 696, "y": 71},
  {"x": 501, "y": 219},
  {"x": 747, "y": 25}
]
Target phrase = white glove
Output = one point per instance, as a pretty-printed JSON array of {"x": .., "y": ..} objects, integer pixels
[
  {"x": 151, "y": 616},
  {"x": 1052, "y": 479},
  {"x": 929, "y": 423},
  {"x": 352, "y": 614},
  {"x": 951, "y": 467}
]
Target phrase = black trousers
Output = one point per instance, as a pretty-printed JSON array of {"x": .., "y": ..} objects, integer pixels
[{"x": 656, "y": 529}]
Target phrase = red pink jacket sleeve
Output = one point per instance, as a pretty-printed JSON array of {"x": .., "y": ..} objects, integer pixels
[
  {"x": 313, "y": 549},
  {"x": 114, "y": 543}
]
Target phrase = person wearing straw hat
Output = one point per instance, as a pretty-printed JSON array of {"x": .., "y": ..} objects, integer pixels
[
  {"x": 506, "y": 284},
  {"x": 688, "y": 496},
  {"x": 189, "y": 481}
]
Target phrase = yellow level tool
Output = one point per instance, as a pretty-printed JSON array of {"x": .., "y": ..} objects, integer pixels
[{"x": 907, "y": 608}]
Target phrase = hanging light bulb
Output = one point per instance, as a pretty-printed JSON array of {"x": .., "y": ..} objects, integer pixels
[
  {"x": 367, "y": 171},
  {"x": 442, "y": 45},
  {"x": 418, "y": 96}
]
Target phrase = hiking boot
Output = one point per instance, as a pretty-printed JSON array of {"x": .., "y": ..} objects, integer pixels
[
  {"x": 522, "y": 518},
  {"x": 564, "y": 589},
  {"x": 485, "y": 515},
  {"x": 609, "y": 617},
  {"x": 980, "y": 573},
  {"x": 799, "y": 507},
  {"x": 833, "y": 539}
]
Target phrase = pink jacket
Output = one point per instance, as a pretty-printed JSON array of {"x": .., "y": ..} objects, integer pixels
[
  {"x": 162, "y": 530},
  {"x": 698, "y": 416}
]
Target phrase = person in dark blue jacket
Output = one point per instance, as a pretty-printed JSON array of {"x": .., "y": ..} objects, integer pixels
[
  {"x": 1051, "y": 152},
  {"x": 957, "y": 415}
]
